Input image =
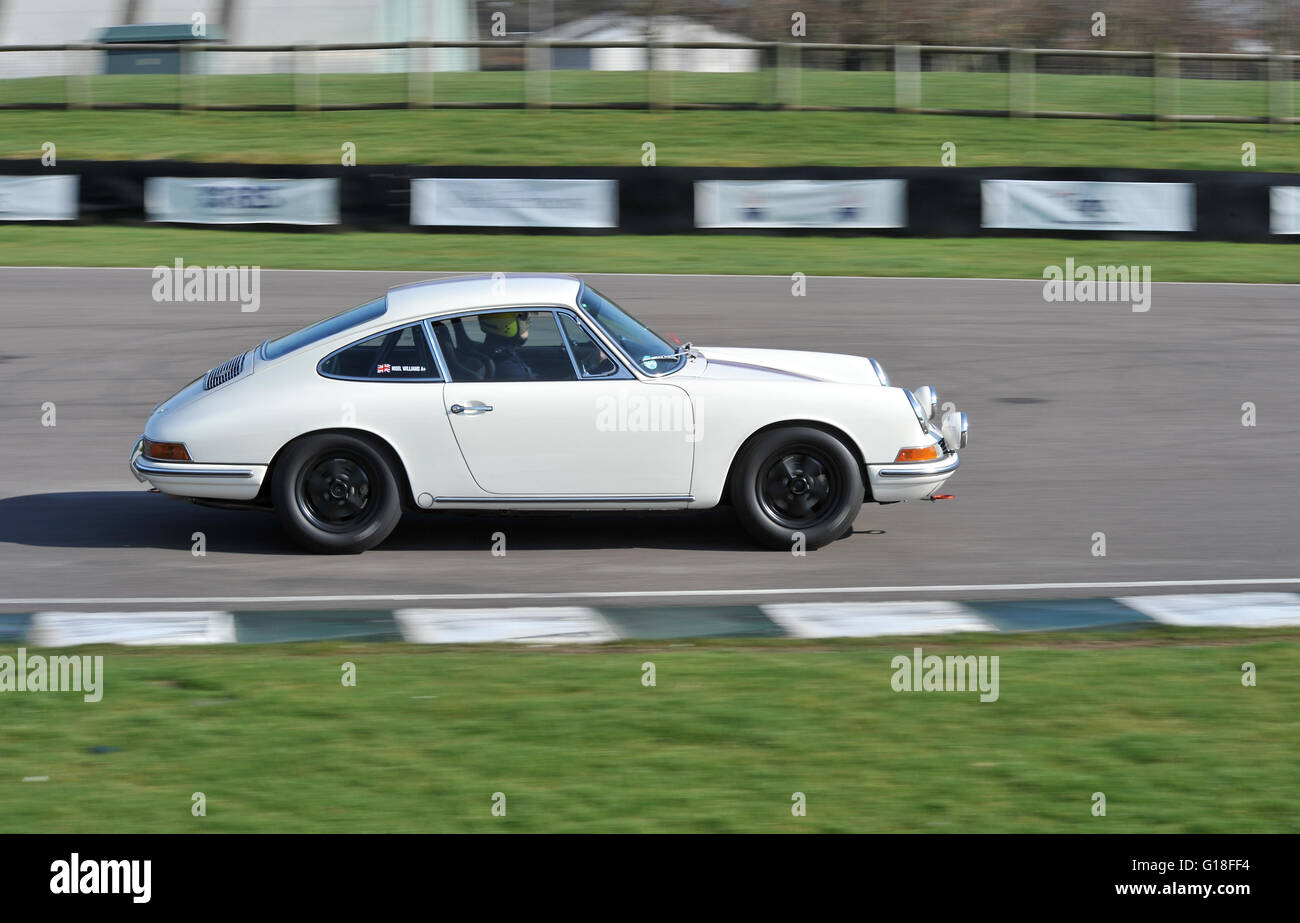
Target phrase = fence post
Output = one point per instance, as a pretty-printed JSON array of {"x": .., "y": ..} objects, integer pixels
[
  {"x": 1280, "y": 92},
  {"x": 537, "y": 76},
  {"x": 659, "y": 92},
  {"x": 1021, "y": 67},
  {"x": 419, "y": 78},
  {"x": 77, "y": 87},
  {"x": 539, "y": 59},
  {"x": 666, "y": 79},
  {"x": 789, "y": 61},
  {"x": 907, "y": 77},
  {"x": 306, "y": 82},
  {"x": 1166, "y": 68},
  {"x": 191, "y": 84}
]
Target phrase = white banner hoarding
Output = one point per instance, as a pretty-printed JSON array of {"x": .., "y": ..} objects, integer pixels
[
  {"x": 1284, "y": 210},
  {"x": 38, "y": 198},
  {"x": 1084, "y": 206},
  {"x": 801, "y": 203},
  {"x": 524, "y": 203},
  {"x": 240, "y": 200}
]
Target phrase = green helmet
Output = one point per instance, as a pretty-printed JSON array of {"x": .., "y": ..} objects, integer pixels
[{"x": 508, "y": 326}]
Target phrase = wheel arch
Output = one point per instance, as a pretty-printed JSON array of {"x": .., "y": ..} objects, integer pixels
[
  {"x": 831, "y": 430},
  {"x": 381, "y": 444}
]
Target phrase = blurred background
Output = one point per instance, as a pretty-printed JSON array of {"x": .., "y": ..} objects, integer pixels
[
  {"x": 797, "y": 142},
  {"x": 723, "y": 52},
  {"x": 1191, "y": 25}
]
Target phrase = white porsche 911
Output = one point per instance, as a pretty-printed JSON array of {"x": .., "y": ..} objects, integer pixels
[{"x": 537, "y": 392}]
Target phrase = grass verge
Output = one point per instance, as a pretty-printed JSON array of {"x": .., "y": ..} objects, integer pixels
[
  {"x": 1012, "y": 258},
  {"x": 1155, "y": 718},
  {"x": 1109, "y": 93},
  {"x": 578, "y": 138}
]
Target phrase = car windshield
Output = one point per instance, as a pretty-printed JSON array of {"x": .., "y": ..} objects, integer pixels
[
  {"x": 643, "y": 346},
  {"x": 325, "y": 329}
]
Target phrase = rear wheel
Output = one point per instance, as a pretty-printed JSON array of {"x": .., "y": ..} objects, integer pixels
[
  {"x": 336, "y": 493},
  {"x": 793, "y": 481}
]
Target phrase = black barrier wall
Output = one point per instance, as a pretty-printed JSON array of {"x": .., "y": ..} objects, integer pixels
[{"x": 940, "y": 201}]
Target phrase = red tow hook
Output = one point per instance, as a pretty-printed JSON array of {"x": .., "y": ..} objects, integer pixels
[{"x": 935, "y": 497}]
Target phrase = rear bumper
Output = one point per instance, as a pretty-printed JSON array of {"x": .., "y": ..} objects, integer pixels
[
  {"x": 193, "y": 479},
  {"x": 910, "y": 480}
]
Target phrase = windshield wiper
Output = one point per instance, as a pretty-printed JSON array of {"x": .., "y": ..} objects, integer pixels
[{"x": 684, "y": 348}]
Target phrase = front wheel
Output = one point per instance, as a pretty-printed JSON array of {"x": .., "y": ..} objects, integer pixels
[
  {"x": 336, "y": 494},
  {"x": 793, "y": 481}
]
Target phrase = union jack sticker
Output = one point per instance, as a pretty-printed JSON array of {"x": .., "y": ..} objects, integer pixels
[{"x": 384, "y": 367}]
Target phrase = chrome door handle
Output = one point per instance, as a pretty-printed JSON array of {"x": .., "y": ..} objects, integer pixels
[{"x": 478, "y": 408}]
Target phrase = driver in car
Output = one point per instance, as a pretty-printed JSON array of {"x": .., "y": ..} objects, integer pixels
[{"x": 504, "y": 337}]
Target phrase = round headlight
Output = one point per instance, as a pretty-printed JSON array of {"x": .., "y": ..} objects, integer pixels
[
  {"x": 954, "y": 430},
  {"x": 929, "y": 400}
]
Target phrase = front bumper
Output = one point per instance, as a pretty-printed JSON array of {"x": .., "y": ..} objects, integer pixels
[
  {"x": 910, "y": 480},
  {"x": 191, "y": 479}
]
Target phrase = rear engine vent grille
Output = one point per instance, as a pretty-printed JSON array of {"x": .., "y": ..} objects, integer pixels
[{"x": 223, "y": 373}]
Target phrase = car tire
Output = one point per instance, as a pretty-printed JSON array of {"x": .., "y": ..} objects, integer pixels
[
  {"x": 796, "y": 480},
  {"x": 336, "y": 493}
]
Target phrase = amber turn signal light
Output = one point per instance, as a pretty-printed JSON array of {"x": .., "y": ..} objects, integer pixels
[
  {"x": 165, "y": 451},
  {"x": 924, "y": 453}
]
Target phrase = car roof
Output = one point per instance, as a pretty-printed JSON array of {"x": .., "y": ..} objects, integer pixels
[{"x": 485, "y": 290}]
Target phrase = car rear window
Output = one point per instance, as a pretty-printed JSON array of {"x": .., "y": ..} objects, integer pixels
[
  {"x": 394, "y": 355},
  {"x": 325, "y": 329}
]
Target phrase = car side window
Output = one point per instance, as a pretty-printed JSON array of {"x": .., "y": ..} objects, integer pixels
[
  {"x": 394, "y": 355},
  {"x": 590, "y": 356},
  {"x": 506, "y": 345}
]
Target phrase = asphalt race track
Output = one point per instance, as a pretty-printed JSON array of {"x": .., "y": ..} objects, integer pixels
[{"x": 1085, "y": 418}]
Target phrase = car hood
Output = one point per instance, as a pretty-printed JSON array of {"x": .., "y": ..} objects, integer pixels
[{"x": 728, "y": 362}]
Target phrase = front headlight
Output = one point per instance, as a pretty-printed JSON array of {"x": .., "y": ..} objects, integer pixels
[
  {"x": 929, "y": 400},
  {"x": 954, "y": 430}
]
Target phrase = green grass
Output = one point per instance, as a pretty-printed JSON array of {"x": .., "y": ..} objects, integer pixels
[
  {"x": 1156, "y": 719},
  {"x": 515, "y": 137},
  {"x": 1171, "y": 260},
  {"x": 1116, "y": 92}
]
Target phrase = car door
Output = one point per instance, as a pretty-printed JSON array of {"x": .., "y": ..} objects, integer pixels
[
  {"x": 389, "y": 383},
  {"x": 579, "y": 425}
]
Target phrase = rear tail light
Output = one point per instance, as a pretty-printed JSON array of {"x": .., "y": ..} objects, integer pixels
[
  {"x": 918, "y": 453},
  {"x": 166, "y": 451}
]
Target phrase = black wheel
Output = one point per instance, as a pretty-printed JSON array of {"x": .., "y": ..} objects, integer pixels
[
  {"x": 336, "y": 494},
  {"x": 796, "y": 480}
]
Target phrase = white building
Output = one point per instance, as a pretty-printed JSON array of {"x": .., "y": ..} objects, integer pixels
[
  {"x": 252, "y": 22},
  {"x": 634, "y": 29}
]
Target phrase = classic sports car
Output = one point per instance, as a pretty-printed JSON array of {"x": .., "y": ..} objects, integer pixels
[{"x": 525, "y": 391}]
